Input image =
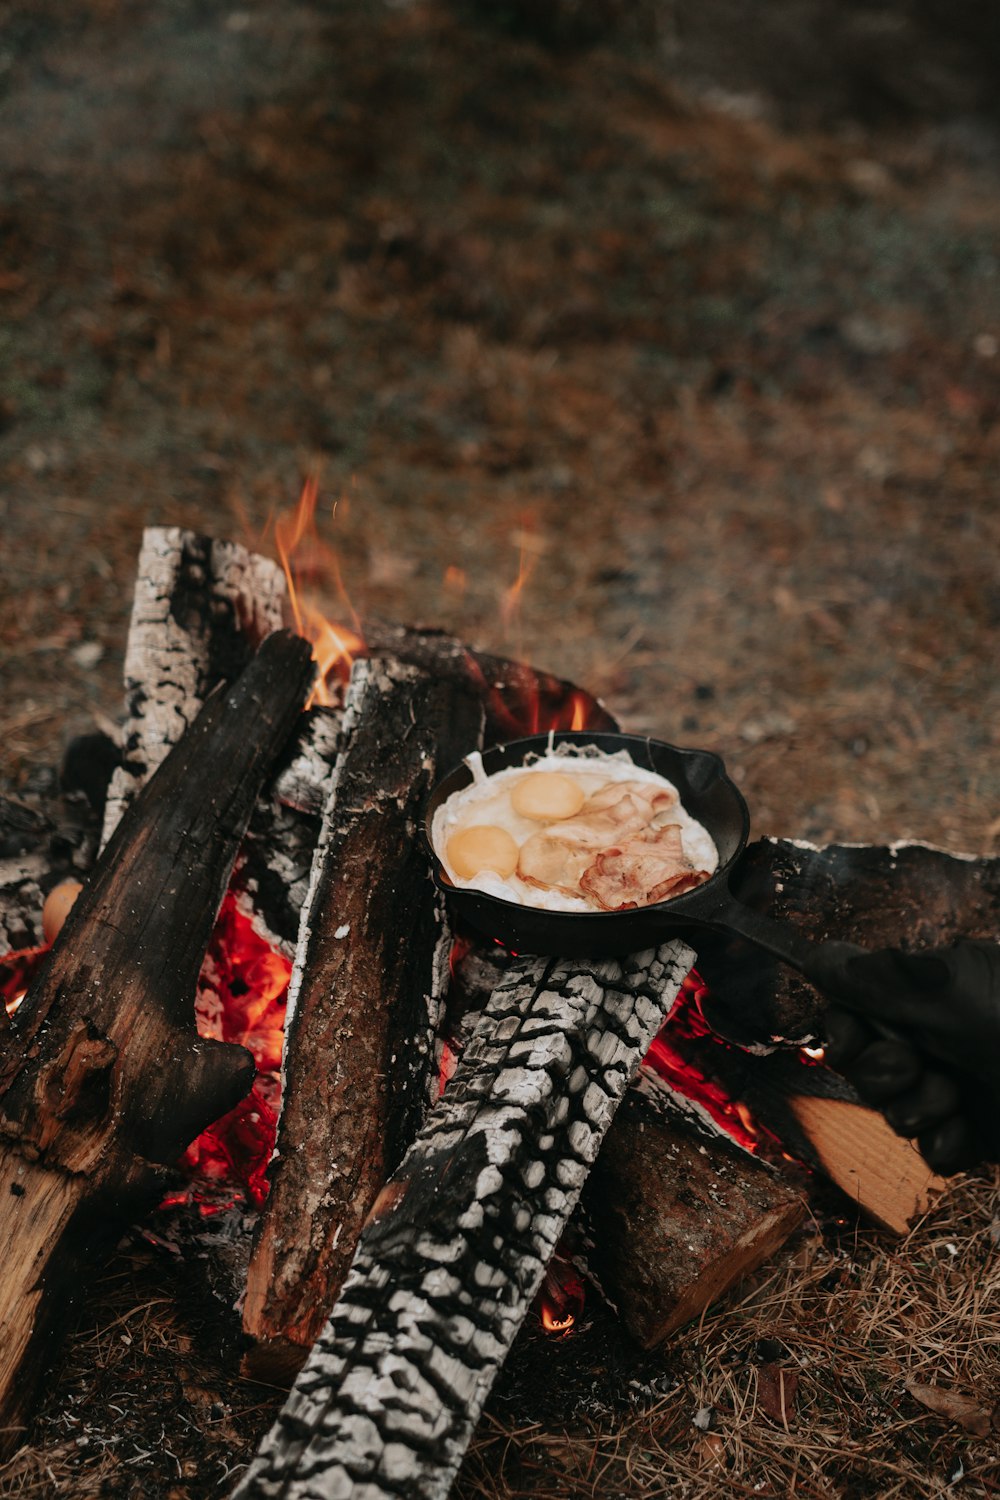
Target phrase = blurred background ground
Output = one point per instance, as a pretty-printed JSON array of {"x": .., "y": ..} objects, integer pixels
[
  {"x": 707, "y": 315},
  {"x": 695, "y": 317}
]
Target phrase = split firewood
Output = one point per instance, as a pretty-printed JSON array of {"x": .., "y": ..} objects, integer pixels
[
  {"x": 676, "y": 1216},
  {"x": 456, "y": 1246},
  {"x": 368, "y": 983},
  {"x": 104, "y": 1080}
]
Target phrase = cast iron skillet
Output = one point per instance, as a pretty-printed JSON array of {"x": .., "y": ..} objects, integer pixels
[{"x": 708, "y": 795}]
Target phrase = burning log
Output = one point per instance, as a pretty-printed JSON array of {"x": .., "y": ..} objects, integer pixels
[
  {"x": 369, "y": 975},
  {"x": 104, "y": 1078},
  {"x": 457, "y": 1243},
  {"x": 676, "y": 1211},
  {"x": 200, "y": 610},
  {"x": 519, "y": 700}
]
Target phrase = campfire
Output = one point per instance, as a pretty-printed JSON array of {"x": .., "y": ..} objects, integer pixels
[{"x": 436, "y": 1134}]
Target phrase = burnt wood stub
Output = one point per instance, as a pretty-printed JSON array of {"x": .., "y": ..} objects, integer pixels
[
  {"x": 103, "y": 1077},
  {"x": 364, "y": 1002},
  {"x": 200, "y": 610},
  {"x": 457, "y": 1244}
]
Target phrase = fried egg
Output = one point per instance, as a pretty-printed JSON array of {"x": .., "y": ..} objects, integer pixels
[{"x": 553, "y": 819}]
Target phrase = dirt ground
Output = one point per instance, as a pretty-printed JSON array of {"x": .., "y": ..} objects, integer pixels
[
  {"x": 725, "y": 360},
  {"x": 698, "y": 333}
]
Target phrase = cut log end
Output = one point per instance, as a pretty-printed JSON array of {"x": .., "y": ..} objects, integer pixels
[
  {"x": 877, "y": 1169},
  {"x": 679, "y": 1220}
]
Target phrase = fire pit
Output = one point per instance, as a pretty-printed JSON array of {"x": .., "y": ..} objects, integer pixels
[{"x": 449, "y": 1211}]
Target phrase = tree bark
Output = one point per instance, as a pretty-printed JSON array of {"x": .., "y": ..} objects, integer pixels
[
  {"x": 676, "y": 1217},
  {"x": 104, "y": 1079},
  {"x": 456, "y": 1245},
  {"x": 368, "y": 982}
]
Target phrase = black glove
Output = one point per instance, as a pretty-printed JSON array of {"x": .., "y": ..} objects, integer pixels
[{"x": 918, "y": 1036}]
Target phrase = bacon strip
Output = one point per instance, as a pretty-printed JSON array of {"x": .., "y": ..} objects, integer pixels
[
  {"x": 613, "y": 852},
  {"x": 641, "y": 870}
]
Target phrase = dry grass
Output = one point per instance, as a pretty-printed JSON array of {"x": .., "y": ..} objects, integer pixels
[{"x": 853, "y": 1322}]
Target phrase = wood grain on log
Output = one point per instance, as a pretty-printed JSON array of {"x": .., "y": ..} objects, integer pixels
[
  {"x": 677, "y": 1217},
  {"x": 458, "y": 1241},
  {"x": 371, "y": 959},
  {"x": 104, "y": 1079}
]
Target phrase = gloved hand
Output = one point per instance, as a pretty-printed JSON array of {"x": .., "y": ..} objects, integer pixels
[{"x": 918, "y": 1036}]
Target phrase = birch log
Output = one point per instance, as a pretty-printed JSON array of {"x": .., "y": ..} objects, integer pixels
[{"x": 457, "y": 1243}]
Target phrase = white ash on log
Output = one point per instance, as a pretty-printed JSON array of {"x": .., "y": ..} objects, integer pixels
[
  {"x": 200, "y": 610},
  {"x": 676, "y": 1216},
  {"x": 364, "y": 1003},
  {"x": 675, "y": 1212},
  {"x": 274, "y": 865},
  {"x": 457, "y": 1243},
  {"x": 104, "y": 1078}
]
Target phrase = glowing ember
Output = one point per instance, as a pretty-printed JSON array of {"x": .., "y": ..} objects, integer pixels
[
  {"x": 17, "y": 970},
  {"x": 667, "y": 1057},
  {"x": 446, "y": 1067},
  {"x": 303, "y": 556},
  {"x": 560, "y": 1297},
  {"x": 242, "y": 994}
]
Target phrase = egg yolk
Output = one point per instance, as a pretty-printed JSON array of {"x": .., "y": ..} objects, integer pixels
[
  {"x": 485, "y": 847},
  {"x": 547, "y": 796},
  {"x": 57, "y": 907}
]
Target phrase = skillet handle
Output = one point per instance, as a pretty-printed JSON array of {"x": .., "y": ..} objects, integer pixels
[
  {"x": 822, "y": 964},
  {"x": 782, "y": 939}
]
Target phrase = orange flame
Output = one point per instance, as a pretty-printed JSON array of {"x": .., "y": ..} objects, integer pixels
[
  {"x": 303, "y": 555},
  {"x": 560, "y": 1297},
  {"x": 530, "y": 548}
]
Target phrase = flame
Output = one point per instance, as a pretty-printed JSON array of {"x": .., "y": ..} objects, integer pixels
[
  {"x": 17, "y": 970},
  {"x": 455, "y": 582},
  {"x": 530, "y": 550},
  {"x": 303, "y": 556},
  {"x": 560, "y": 1298}
]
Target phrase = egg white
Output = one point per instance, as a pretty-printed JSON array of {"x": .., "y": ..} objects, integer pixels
[{"x": 487, "y": 801}]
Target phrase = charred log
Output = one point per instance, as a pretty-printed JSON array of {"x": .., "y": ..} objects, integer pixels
[
  {"x": 518, "y": 699},
  {"x": 457, "y": 1243},
  {"x": 371, "y": 960},
  {"x": 201, "y": 608},
  {"x": 104, "y": 1079}
]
